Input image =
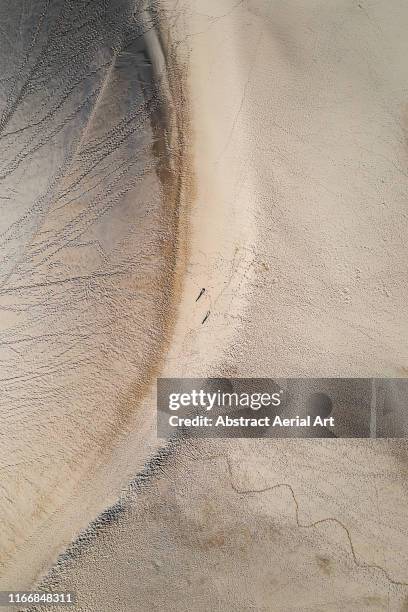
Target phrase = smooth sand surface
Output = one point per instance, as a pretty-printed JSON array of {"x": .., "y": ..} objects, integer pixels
[{"x": 297, "y": 224}]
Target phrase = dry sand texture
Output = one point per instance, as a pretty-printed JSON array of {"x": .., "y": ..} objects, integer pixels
[
  {"x": 89, "y": 200},
  {"x": 289, "y": 130}
]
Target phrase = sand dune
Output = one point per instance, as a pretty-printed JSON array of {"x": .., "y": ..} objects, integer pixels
[
  {"x": 90, "y": 266},
  {"x": 278, "y": 185}
]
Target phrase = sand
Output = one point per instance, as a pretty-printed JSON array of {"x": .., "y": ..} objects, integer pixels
[
  {"x": 90, "y": 300},
  {"x": 292, "y": 218}
]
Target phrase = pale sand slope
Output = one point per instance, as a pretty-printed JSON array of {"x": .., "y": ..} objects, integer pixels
[{"x": 298, "y": 112}]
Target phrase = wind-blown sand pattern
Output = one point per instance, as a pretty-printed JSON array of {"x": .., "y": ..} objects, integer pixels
[
  {"x": 254, "y": 149},
  {"x": 89, "y": 287}
]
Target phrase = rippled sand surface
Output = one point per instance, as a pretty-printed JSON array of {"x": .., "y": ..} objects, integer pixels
[
  {"x": 89, "y": 197},
  {"x": 256, "y": 149}
]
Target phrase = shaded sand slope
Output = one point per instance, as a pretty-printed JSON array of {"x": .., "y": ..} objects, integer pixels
[{"x": 89, "y": 197}]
